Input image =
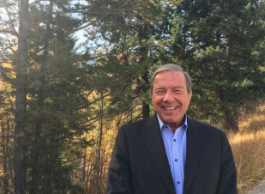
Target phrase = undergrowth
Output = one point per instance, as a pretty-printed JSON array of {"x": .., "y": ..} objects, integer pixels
[{"x": 248, "y": 146}]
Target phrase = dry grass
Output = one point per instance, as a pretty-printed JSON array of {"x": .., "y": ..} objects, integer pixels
[{"x": 248, "y": 146}]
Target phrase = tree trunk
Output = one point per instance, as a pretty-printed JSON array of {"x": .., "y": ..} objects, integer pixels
[
  {"x": 21, "y": 62},
  {"x": 145, "y": 110},
  {"x": 184, "y": 41},
  {"x": 4, "y": 147},
  {"x": 35, "y": 172},
  {"x": 142, "y": 51},
  {"x": 84, "y": 174},
  {"x": 8, "y": 150},
  {"x": 98, "y": 160},
  {"x": 228, "y": 113},
  {"x": 231, "y": 120},
  {"x": 145, "y": 106}
]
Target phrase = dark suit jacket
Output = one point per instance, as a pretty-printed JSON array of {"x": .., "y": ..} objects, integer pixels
[{"x": 139, "y": 163}]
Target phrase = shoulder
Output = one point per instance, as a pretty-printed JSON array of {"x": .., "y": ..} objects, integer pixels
[
  {"x": 203, "y": 126},
  {"x": 135, "y": 125},
  {"x": 213, "y": 138},
  {"x": 136, "y": 129},
  {"x": 141, "y": 124}
]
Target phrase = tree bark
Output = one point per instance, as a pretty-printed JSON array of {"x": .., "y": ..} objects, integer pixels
[
  {"x": 98, "y": 160},
  {"x": 228, "y": 113},
  {"x": 21, "y": 62},
  {"x": 4, "y": 147},
  {"x": 142, "y": 51},
  {"x": 231, "y": 120}
]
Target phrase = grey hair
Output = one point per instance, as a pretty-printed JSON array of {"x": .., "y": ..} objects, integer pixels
[{"x": 171, "y": 67}]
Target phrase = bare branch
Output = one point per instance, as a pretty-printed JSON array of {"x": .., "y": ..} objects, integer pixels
[
  {"x": 3, "y": 55},
  {"x": 7, "y": 31},
  {"x": 11, "y": 23}
]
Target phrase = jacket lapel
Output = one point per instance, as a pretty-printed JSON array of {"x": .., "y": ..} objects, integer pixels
[
  {"x": 154, "y": 141},
  {"x": 194, "y": 148}
]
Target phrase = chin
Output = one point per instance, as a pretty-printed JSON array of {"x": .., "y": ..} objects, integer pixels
[{"x": 169, "y": 121}]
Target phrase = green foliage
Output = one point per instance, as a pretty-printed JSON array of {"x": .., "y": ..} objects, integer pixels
[
  {"x": 216, "y": 43},
  {"x": 57, "y": 87}
]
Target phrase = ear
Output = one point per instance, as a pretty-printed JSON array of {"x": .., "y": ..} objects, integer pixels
[{"x": 189, "y": 96}]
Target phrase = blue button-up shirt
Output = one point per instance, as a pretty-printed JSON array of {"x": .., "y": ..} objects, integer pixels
[{"x": 175, "y": 145}]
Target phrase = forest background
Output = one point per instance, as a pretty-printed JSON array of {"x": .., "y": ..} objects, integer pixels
[{"x": 62, "y": 103}]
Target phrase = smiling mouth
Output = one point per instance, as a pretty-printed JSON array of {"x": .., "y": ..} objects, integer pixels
[{"x": 169, "y": 108}]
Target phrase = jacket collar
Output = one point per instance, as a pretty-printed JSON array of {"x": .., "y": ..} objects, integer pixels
[
  {"x": 154, "y": 141},
  {"x": 195, "y": 138}
]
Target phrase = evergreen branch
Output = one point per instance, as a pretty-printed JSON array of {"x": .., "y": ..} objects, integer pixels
[
  {"x": 37, "y": 1},
  {"x": 89, "y": 93},
  {"x": 89, "y": 12},
  {"x": 28, "y": 65},
  {"x": 85, "y": 26},
  {"x": 84, "y": 12},
  {"x": 105, "y": 116},
  {"x": 100, "y": 98},
  {"x": 91, "y": 23},
  {"x": 36, "y": 51},
  {"x": 124, "y": 4}
]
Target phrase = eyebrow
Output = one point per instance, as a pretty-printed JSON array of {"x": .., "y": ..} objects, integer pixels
[
  {"x": 159, "y": 89},
  {"x": 179, "y": 87}
]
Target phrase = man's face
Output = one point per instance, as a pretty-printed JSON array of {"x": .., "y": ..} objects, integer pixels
[{"x": 170, "y": 97}]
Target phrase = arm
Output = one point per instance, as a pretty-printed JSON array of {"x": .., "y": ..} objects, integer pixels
[
  {"x": 119, "y": 175},
  {"x": 228, "y": 178}
]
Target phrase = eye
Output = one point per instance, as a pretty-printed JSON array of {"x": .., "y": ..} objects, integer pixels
[
  {"x": 159, "y": 91},
  {"x": 178, "y": 91}
]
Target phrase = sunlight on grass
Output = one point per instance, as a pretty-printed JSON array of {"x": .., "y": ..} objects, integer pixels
[{"x": 248, "y": 146}]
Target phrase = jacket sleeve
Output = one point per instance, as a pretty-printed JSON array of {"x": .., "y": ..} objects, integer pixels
[
  {"x": 119, "y": 174},
  {"x": 228, "y": 177}
]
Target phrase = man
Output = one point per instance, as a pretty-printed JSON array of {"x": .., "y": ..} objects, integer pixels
[{"x": 169, "y": 153}]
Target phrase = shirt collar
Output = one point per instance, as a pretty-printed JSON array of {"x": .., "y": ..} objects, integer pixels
[{"x": 161, "y": 124}]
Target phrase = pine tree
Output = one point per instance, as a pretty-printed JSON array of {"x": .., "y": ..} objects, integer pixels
[
  {"x": 129, "y": 30},
  {"x": 216, "y": 42},
  {"x": 51, "y": 103}
]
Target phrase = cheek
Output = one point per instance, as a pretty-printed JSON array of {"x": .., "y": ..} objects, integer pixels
[{"x": 156, "y": 100}]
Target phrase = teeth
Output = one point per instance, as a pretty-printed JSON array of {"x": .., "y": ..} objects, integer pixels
[{"x": 170, "y": 108}]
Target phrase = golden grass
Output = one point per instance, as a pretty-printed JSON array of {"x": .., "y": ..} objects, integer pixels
[{"x": 248, "y": 146}]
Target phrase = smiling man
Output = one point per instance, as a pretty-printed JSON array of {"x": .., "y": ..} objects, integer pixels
[{"x": 169, "y": 153}]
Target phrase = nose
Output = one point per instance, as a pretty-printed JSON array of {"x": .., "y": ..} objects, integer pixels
[{"x": 168, "y": 97}]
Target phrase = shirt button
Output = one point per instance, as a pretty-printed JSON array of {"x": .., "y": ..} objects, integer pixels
[
  {"x": 176, "y": 160},
  {"x": 174, "y": 140},
  {"x": 178, "y": 182}
]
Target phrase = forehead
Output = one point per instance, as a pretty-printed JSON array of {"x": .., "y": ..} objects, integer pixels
[{"x": 170, "y": 77}]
